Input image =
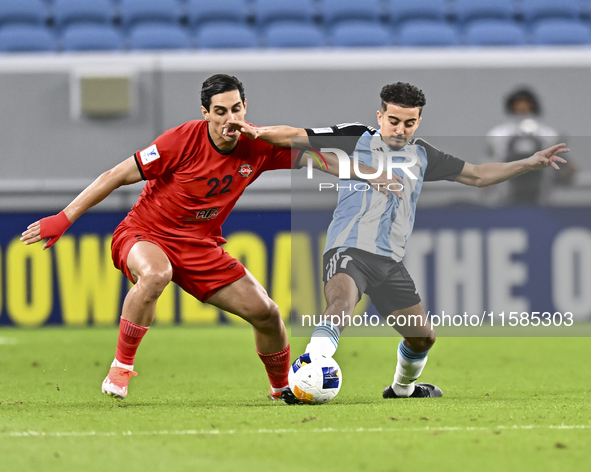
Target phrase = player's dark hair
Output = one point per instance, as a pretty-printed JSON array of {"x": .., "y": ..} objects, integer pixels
[
  {"x": 523, "y": 94},
  {"x": 219, "y": 83},
  {"x": 404, "y": 95}
]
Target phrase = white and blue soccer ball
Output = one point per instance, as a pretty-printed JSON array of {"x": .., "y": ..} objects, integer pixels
[{"x": 315, "y": 379}]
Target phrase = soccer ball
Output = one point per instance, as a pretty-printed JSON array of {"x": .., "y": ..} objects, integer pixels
[{"x": 315, "y": 379}]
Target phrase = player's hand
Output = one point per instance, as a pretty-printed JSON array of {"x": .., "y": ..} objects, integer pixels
[
  {"x": 242, "y": 126},
  {"x": 549, "y": 157},
  {"x": 385, "y": 185},
  {"x": 52, "y": 228}
]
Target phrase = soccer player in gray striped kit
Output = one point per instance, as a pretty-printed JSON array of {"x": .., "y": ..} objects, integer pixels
[{"x": 369, "y": 231}]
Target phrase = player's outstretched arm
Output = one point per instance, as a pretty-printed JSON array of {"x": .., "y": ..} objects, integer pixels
[
  {"x": 276, "y": 135},
  {"x": 492, "y": 173},
  {"x": 283, "y": 136},
  {"x": 53, "y": 227}
]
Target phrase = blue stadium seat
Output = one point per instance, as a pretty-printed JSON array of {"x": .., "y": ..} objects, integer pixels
[
  {"x": 91, "y": 37},
  {"x": 334, "y": 11},
  {"x": 468, "y": 10},
  {"x": 158, "y": 36},
  {"x": 417, "y": 10},
  {"x": 32, "y": 12},
  {"x": 534, "y": 10},
  {"x": 201, "y": 11},
  {"x": 151, "y": 11},
  {"x": 425, "y": 33},
  {"x": 349, "y": 34},
  {"x": 66, "y": 12},
  {"x": 223, "y": 35},
  {"x": 269, "y": 11},
  {"x": 294, "y": 35},
  {"x": 26, "y": 38},
  {"x": 561, "y": 32},
  {"x": 495, "y": 33}
]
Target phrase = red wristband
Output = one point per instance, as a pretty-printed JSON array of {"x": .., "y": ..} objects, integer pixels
[{"x": 53, "y": 227}]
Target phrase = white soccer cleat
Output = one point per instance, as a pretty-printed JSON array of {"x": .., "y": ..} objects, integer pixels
[{"x": 115, "y": 384}]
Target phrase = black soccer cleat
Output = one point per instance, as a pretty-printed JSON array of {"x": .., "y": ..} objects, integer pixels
[
  {"x": 288, "y": 397},
  {"x": 422, "y": 390}
]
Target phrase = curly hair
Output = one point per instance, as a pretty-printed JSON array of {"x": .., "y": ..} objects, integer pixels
[
  {"x": 404, "y": 95},
  {"x": 523, "y": 93}
]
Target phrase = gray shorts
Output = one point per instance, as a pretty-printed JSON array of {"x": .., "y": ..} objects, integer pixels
[{"x": 387, "y": 282}]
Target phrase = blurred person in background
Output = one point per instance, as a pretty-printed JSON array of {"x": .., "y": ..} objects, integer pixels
[{"x": 522, "y": 135}]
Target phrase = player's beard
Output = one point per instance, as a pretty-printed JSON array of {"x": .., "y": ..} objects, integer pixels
[{"x": 396, "y": 143}]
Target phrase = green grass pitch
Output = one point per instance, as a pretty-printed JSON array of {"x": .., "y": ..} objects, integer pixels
[{"x": 199, "y": 404}]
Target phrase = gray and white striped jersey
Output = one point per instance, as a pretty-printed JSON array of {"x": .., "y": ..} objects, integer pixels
[{"x": 368, "y": 219}]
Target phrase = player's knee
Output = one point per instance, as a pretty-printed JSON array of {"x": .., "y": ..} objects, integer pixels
[
  {"x": 341, "y": 304},
  {"x": 264, "y": 315},
  {"x": 426, "y": 343},
  {"x": 153, "y": 282},
  {"x": 422, "y": 344}
]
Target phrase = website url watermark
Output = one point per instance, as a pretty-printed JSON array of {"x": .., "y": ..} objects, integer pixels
[
  {"x": 492, "y": 319},
  {"x": 365, "y": 320}
]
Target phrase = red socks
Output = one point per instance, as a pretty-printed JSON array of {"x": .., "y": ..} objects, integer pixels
[
  {"x": 277, "y": 366},
  {"x": 130, "y": 336}
]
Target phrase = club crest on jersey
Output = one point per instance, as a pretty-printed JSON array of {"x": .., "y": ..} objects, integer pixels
[
  {"x": 245, "y": 170},
  {"x": 204, "y": 215}
]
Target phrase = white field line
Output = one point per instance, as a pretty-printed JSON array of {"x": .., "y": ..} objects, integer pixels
[
  {"x": 218, "y": 432},
  {"x": 8, "y": 341}
]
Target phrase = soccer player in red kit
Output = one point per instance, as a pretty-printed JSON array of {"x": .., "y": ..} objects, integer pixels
[{"x": 196, "y": 172}]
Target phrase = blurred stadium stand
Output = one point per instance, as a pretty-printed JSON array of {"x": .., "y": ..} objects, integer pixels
[
  {"x": 157, "y": 36},
  {"x": 17, "y": 12},
  {"x": 470, "y": 10},
  {"x": 535, "y": 10},
  {"x": 335, "y": 11},
  {"x": 226, "y": 35},
  {"x": 293, "y": 34},
  {"x": 91, "y": 37},
  {"x": 563, "y": 32},
  {"x": 151, "y": 11},
  {"x": 200, "y": 12},
  {"x": 26, "y": 38},
  {"x": 459, "y": 22},
  {"x": 427, "y": 33},
  {"x": 494, "y": 33},
  {"x": 68, "y": 12},
  {"x": 266, "y": 12},
  {"x": 359, "y": 33},
  {"x": 399, "y": 12}
]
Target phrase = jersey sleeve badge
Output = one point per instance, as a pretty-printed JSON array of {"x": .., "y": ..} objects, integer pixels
[{"x": 149, "y": 154}]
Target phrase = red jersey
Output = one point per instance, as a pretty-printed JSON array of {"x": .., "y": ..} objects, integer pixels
[{"x": 192, "y": 185}]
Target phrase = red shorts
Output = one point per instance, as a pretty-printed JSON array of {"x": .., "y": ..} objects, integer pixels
[{"x": 200, "y": 267}]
